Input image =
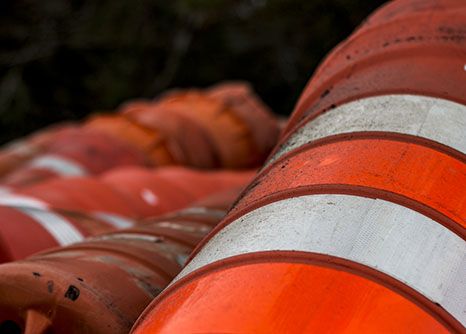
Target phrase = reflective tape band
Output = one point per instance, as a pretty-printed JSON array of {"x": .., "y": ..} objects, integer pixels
[
  {"x": 127, "y": 236},
  {"x": 415, "y": 176},
  {"x": 16, "y": 200},
  {"x": 435, "y": 119},
  {"x": 63, "y": 231},
  {"x": 199, "y": 228},
  {"x": 382, "y": 235},
  {"x": 5, "y": 190},
  {"x": 113, "y": 219},
  {"x": 58, "y": 164},
  {"x": 200, "y": 210},
  {"x": 20, "y": 147}
]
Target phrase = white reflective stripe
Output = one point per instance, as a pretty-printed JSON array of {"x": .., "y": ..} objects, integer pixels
[
  {"x": 127, "y": 236},
  {"x": 382, "y": 235},
  {"x": 199, "y": 229},
  {"x": 60, "y": 165},
  {"x": 200, "y": 210},
  {"x": 20, "y": 147},
  {"x": 16, "y": 200},
  {"x": 5, "y": 190},
  {"x": 59, "y": 228},
  {"x": 114, "y": 219},
  {"x": 432, "y": 118}
]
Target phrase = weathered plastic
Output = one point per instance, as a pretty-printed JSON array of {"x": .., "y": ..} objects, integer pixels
[
  {"x": 75, "y": 153},
  {"x": 63, "y": 211},
  {"x": 224, "y": 126},
  {"x": 357, "y": 222},
  {"x": 103, "y": 284}
]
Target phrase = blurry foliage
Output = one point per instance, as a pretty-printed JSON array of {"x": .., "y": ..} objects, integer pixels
[{"x": 64, "y": 59}]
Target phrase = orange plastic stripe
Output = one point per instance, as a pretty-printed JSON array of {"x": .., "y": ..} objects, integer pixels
[
  {"x": 415, "y": 49},
  {"x": 229, "y": 135},
  {"x": 284, "y": 298},
  {"x": 17, "y": 227},
  {"x": 369, "y": 167}
]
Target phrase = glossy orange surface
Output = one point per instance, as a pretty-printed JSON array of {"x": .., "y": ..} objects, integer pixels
[
  {"x": 283, "y": 298},
  {"x": 382, "y": 167}
]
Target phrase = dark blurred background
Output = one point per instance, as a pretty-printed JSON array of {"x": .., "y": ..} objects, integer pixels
[{"x": 64, "y": 59}]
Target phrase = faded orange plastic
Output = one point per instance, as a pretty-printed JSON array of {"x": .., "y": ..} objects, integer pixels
[
  {"x": 83, "y": 194},
  {"x": 203, "y": 184},
  {"x": 132, "y": 193},
  {"x": 226, "y": 132},
  {"x": 408, "y": 47},
  {"x": 228, "y": 121},
  {"x": 21, "y": 235},
  {"x": 94, "y": 151},
  {"x": 151, "y": 142},
  {"x": 263, "y": 126},
  {"x": 101, "y": 285},
  {"x": 15, "y": 153},
  {"x": 279, "y": 297},
  {"x": 188, "y": 143},
  {"x": 167, "y": 189}
]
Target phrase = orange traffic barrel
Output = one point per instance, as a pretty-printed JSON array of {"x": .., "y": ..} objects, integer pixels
[
  {"x": 199, "y": 183},
  {"x": 129, "y": 192},
  {"x": 13, "y": 154},
  {"x": 82, "y": 194},
  {"x": 357, "y": 222},
  {"x": 64, "y": 211},
  {"x": 101, "y": 285},
  {"x": 26, "y": 230},
  {"x": 75, "y": 153},
  {"x": 407, "y": 47},
  {"x": 167, "y": 189},
  {"x": 231, "y": 127},
  {"x": 152, "y": 143},
  {"x": 264, "y": 127},
  {"x": 186, "y": 143}
]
